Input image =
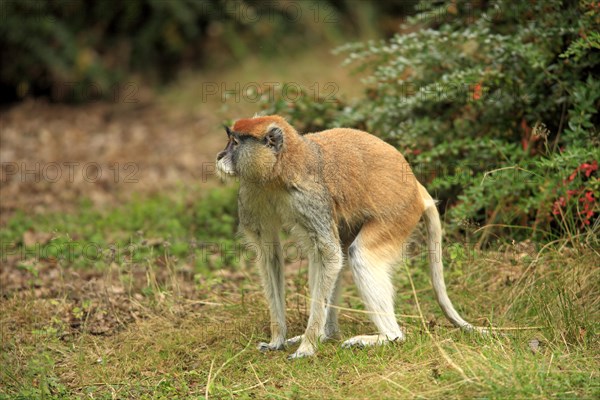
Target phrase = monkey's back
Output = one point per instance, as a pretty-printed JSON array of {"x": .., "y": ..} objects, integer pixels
[{"x": 367, "y": 177}]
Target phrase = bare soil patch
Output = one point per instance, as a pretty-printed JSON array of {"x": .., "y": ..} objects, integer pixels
[{"x": 53, "y": 155}]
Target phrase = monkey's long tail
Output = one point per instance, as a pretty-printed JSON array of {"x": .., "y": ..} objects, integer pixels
[{"x": 434, "y": 237}]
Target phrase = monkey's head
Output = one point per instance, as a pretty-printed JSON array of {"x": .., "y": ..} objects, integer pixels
[{"x": 253, "y": 149}]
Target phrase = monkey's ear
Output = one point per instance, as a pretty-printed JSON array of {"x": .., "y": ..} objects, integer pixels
[
  {"x": 227, "y": 130},
  {"x": 274, "y": 139}
]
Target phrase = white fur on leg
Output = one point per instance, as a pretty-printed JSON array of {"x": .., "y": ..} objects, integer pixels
[
  {"x": 372, "y": 277},
  {"x": 331, "y": 330}
]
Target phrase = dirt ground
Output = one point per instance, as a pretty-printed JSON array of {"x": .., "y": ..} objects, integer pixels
[{"x": 54, "y": 155}]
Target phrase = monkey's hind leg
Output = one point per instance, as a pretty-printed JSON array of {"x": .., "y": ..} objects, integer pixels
[{"x": 371, "y": 257}]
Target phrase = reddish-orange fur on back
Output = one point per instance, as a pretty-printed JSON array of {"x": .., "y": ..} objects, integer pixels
[{"x": 369, "y": 181}]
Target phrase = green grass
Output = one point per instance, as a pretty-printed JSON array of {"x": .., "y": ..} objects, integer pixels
[
  {"x": 133, "y": 230},
  {"x": 181, "y": 330}
]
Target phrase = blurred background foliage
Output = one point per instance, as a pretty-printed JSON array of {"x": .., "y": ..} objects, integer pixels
[
  {"x": 495, "y": 103},
  {"x": 50, "y": 42}
]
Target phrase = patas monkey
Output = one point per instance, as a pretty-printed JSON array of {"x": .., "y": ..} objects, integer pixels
[{"x": 351, "y": 199}]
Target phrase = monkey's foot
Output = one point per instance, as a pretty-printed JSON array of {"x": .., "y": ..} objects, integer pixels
[
  {"x": 362, "y": 341},
  {"x": 263, "y": 346}
]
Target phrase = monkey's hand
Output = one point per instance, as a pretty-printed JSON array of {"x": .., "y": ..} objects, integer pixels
[
  {"x": 307, "y": 348},
  {"x": 326, "y": 337},
  {"x": 263, "y": 346},
  {"x": 301, "y": 353}
]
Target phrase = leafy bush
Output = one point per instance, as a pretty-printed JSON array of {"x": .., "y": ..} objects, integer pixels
[{"x": 494, "y": 105}]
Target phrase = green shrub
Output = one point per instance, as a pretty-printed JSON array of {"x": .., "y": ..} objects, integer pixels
[{"x": 495, "y": 106}]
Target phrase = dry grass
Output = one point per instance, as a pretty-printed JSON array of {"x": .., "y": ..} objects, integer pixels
[{"x": 184, "y": 338}]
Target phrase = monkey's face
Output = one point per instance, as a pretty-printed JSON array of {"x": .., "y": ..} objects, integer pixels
[{"x": 251, "y": 156}]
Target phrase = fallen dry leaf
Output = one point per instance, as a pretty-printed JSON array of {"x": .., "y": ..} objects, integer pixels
[{"x": 32, "y": 238}]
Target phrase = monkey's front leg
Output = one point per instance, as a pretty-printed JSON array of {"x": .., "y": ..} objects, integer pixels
[
  {"x": 271, "y": 268},
  {"x": 331, "y": 330},
  {"x": 325, "y": 264}
]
